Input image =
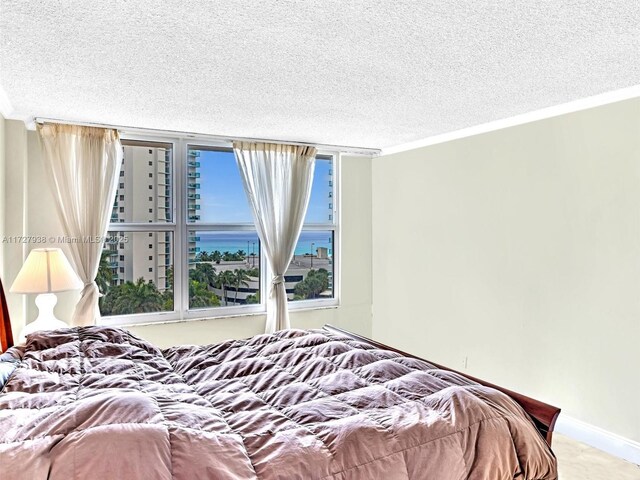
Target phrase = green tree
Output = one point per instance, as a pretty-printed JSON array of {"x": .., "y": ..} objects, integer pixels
[
  {"x": 200, "y": 296},
  {"x": 170, "y": 278},
  {"x": 316, "y": 282},
  {"x": 255, "y": 298},
  {"x": 224, "y": 280},
  {"x": 138, "y": 297},
  {"x": 203, "y": 257},
  {"x": 105, "y": 272},
  {"x": 240, "y": 278},
  {"x": 203, "y": 273},
  {"x": 167, "y": 295},
  {"x": 216, "y": 256}
]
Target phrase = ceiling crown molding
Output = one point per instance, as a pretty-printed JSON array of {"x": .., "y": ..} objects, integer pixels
[{"x": 541, "y": 114}]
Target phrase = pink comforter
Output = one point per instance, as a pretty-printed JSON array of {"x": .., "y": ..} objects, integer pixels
[{"x": 98, "y": 403}]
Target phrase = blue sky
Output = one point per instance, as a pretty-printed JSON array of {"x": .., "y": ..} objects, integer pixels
[{"x": 222, "y": 196}]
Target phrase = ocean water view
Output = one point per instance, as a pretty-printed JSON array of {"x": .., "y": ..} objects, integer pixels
[{"x": 248, "y": 242}]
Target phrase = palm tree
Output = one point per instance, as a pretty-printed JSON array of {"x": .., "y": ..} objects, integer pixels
[
  {"x": 105, "y": 272},
  {"x": 216, "y": 256},
  {"x": 255, "y": 298},
  {"x": 138, "y": 297},
  {"x": 200, "y": 296},
  {"x": 203, "y": 257},
  {"x": 203, "y": 273},
  {"x": 223, "y": 280},
  {"x": 316, "y": 282},
  {"x": 240, "y": 277}
]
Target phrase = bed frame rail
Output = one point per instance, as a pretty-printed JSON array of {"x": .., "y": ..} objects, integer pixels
[
  {"x": 6, "y": 337},
  {"x": 544, "y": 416}
]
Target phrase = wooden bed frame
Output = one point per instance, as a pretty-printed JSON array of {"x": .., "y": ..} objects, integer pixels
[
  {"x": 544, "y": 416},
  {"x": 6, "y": 337}
]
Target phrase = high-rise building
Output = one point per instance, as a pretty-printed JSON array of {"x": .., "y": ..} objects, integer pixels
[
  {"x": 144, "y": 196},
  {"x": 193, "y": 198}
]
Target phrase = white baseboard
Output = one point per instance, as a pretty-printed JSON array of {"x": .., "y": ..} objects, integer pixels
[{"x": 596, "y": 437}]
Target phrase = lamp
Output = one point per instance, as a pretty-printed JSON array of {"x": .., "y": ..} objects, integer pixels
[{"x": 45, "y": 272}]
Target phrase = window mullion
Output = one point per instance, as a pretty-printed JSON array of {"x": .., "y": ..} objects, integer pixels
[{"x": 181, "y": 287}]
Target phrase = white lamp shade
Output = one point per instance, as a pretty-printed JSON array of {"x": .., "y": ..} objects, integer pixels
[{"x": 46, "y": 270}]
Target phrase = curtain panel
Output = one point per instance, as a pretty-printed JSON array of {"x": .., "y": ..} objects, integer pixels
[
  {"x": 277, "y": 180},
  {"x": 83, "y": 165}
]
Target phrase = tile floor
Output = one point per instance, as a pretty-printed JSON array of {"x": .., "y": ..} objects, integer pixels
[{"x": 577, "y": 461}]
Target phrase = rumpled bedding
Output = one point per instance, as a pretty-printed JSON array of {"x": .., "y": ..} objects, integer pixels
[{"x": 99, "y": 403}]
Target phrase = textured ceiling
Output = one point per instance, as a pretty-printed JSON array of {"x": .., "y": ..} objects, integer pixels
[{"x": 364, "y": 73}]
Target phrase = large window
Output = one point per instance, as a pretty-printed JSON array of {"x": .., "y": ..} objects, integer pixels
[
  {"x": 222, "y": 238},
  {"x": 310, "y": 275},
  {"x": 182, "y": 242},
  {"x": 136, "y": 269}
]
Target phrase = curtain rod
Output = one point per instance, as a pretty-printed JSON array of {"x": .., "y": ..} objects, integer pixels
[{"x": 222, "y": 138}]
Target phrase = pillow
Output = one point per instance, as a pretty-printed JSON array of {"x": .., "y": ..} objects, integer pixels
[
  {"x": 9, "y": 360},
  {"x": 6, "y": 369}
]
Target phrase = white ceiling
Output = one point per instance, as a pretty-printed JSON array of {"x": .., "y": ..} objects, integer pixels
[{"x": 363, "y": 73}]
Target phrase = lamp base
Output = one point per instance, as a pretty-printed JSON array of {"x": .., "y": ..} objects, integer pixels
[{"x": 46, "y": 318}]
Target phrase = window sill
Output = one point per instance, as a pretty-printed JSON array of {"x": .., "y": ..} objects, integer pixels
[{"x": 170, "y": 317}]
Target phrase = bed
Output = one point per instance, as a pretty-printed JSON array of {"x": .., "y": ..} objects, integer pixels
[{"x": 101, "y": 403}]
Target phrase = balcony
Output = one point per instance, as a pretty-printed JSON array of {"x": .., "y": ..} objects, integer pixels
[
  {"x": 194, "y": 249},
  {"x": 193, "y": 239},
  {"x": 193, "y": 196},
  {"x": 193, "y": 175},
  {"x": 194, "y": 185},
  {"x": 194, "y": 153},
  {"x": 194, "y": 218},
  {"x": 193, "y": 164}
]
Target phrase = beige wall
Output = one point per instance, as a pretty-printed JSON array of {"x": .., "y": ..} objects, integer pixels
[
  {"x": 29, "y": 210},
  {"x": 515, "y": 255}
]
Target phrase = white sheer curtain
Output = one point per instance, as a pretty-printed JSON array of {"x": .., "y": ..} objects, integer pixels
[
  {"x": 83, "y": 165},
  {"x": 277, "y": 179}
]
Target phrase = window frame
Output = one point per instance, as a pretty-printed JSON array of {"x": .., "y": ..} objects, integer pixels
[{"x": 180, "y": 227}]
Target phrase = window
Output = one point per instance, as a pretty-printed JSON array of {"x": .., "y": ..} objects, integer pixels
[
  {"x": 201, "y": 247},
  {"x": 310, "y": 275},
  {"x": 223, "y": 246},
  {"x": 142, "y": 286}
]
